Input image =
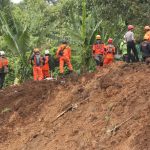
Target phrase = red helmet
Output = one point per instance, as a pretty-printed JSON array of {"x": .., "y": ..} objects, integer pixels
[
  {"x": 130, "y": 27},
  {"x": 110, "y": 40}
]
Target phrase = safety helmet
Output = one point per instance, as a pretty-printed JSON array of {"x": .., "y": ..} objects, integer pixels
[
  {"x": 46, "y": 52},
  {"x": 2, "y": 53},
  {"x": 130, "y": 27},
  {"x": 147, "y": 28},
  {"x": 110, "y": 40},
  {"x": 36, "y": 50},
  {"x": 64, "y": 42},
  {"x": 98, "y": 37}
]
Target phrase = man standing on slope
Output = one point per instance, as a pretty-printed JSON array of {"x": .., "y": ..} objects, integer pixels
[
  {"x": 147, "y": 32},
  {"x": 129, "y": 37},
  {"x": 3, "y": 68},
  {"x": 37, "y": 62},
  {"x": 64, "y": 56},
  {"x": 46, "y": 65},
  {"x": 98, "y": 52},
  {"x": 110, "y": 52},
  {"x": 145, "y": 49}
]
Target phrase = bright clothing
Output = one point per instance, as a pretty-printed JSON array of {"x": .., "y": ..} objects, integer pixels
[
  {"x": 46, "y": 67},
  {"x": 37, "y": 73},
  {"x": 3, "y": 70},
  {"x": 37, "y": 62},
  {"x": 98, "y": 48},
  {"x": 3, "y": 62},
  {"x": 123, "y": 48},
  {"x": 64, "y": 55},
  {"x": 109, "y": 54},
  {"x": 64, "y": 50},
  {"x": 147, "y": 35},
  {"x": 62, "y": 61}
]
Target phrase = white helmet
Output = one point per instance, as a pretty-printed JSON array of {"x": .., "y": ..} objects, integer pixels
[
  {"x": 46, "y": 51},
  {"x": 2, "y": 53}
]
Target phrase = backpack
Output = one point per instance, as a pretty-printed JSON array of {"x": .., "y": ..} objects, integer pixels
[
  {"x": 110, "y": 49},
  {"x": 37, "y": 60}
]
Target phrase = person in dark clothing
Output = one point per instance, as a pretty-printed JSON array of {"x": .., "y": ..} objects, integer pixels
[
  {"x": 3, "y": 68},
  {"x": 129, "y": 37},
  {"x": 145, "y": 49}
]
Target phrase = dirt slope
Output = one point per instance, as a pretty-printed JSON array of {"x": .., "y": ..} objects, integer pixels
[{"x": 111, "y": 111}]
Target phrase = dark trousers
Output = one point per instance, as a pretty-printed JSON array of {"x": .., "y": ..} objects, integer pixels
[
  {"x": 2, "y": 79},
  {"x": 131, "y": 47}
]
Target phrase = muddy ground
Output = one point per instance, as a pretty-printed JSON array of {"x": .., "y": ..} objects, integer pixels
[{"x": 106, "y": 110}]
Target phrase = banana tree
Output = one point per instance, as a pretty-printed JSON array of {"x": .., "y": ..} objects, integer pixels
[
  {"x": 82, "y": 35},
  {"x": 17, "y": 39}
]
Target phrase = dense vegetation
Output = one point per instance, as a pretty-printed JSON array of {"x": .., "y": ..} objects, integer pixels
[{"x": 43, "y": 24}]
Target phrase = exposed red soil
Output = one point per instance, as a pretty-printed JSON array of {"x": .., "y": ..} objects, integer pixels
[{"x": 101, "y": 101}]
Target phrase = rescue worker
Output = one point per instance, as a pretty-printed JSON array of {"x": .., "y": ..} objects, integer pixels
[
  {"x": 110, "y": 52},
  {"x": 145, "y": 49},
  {"x": 98, "y": 52},
  {"x": 123, "y": 48},
  {"x": 3, "y": 68},
  {"x": 46, "y": 66},
  {"x": 64, "y": 56},
  {"x": 147, "y": 32},
  {"x": 129, "y": 37},
  {"x": 37, "y": 62}
]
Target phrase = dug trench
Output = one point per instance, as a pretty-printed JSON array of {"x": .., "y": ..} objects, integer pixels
[{"x": 106, "y": 110}]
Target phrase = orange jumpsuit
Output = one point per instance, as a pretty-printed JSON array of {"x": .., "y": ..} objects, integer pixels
[
  {"x": 147, "y": 35},
  {"x": 109, "y": 54},
  {"x": 3, "y": 62},
  {"x": 37, "y": 67},
  {"x": 3, "y": 71},
  {"x": 45, "y": 68},
  {"x": 98, "y": 51},
  {"x": 64, "y": 55}
]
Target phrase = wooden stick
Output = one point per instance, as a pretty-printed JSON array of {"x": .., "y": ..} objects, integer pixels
[
  {"x": 119, "y": 125},
  {"x": 71, "y": 107}
]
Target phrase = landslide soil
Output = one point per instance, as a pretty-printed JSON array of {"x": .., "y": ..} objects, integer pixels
[{"x": 111, "y": 112}]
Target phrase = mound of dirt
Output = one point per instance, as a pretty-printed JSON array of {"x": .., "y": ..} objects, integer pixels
[{"x": 107, "y": 110}]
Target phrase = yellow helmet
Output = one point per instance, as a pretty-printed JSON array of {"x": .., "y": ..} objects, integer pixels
[
  {"x": 98, "y": 37},
  {"x": 36, "y": 50}
]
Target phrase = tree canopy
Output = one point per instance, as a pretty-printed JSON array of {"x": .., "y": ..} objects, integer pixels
[{"x": 44, "y": 23}]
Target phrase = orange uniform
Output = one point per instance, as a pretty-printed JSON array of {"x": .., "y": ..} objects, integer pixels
[
  {"x": 3, "y": 70},
  {"x": 37, "y": 62},
  {"x": 109, "y": 54},
  {"x": 98, "y": 48},
  {"x": 3, "y": 62},
  {"x": 147, "y": 35},
  {"x": 98, "y": 51},
  {"x": 64, "y": 55},
  {"x": 46, "y": 67}
]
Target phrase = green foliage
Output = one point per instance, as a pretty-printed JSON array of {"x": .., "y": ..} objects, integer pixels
[{"x": 44, "y": 23}]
